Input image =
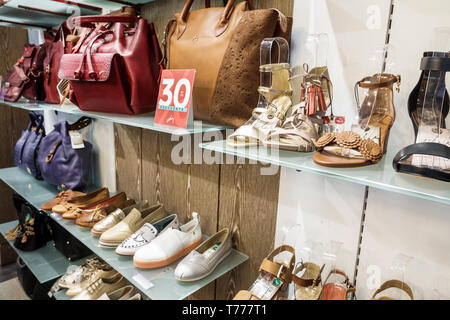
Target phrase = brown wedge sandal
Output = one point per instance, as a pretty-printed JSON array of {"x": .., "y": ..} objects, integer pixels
[
  {"x": 308, "y": 286},
  {"x": 367, "y": 143},
  {"x": 273, "y": 280},
  {"x": 335, "y": 290},
  {"x": 393, "y": 284}
]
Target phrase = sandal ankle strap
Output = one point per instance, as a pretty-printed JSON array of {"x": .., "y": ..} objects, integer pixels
[
  {"x": 368, "y": 83},
  {"x": 307, "y": 282},
  {"x": 279, "y": 270}
]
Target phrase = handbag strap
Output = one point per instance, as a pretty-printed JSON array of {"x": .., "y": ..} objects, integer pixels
[
  {"x": 81, "y": 123},
  {"x": 426, "y": 148},
  {"x": 89, "y": 21},
  {"x": 222, "y": 23}
]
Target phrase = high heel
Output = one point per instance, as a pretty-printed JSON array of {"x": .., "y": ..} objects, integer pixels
[{"x": 368, "y": 143}]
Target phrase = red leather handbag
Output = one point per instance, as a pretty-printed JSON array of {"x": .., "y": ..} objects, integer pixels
[
  {"x": 115, "y": 66},
  {"x": 26, "y": 76},
  {"x": 54, "y": 50}
]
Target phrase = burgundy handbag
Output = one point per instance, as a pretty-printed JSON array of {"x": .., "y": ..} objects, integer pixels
[
  {"x": 26, "y": 76},
  {"x": 54, "y": 50},
  {"x": 114, "y": 68}
]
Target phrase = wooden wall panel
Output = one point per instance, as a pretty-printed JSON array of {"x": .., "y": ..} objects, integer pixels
[
  {"x": 128, "y": 150},
  {"x": 248, "y": 206},
  {"x": 235, "y": 196},
  {"x": 12, "y": 122},
  {"x": 181, "y": 188}
]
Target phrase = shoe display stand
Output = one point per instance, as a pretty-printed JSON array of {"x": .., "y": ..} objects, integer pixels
[
  {"x": 144, "y": 121},
  {"x": 380, "y": 175},
  {"x": 46, "y": 263},
  {"x": 154, "y": 283}
]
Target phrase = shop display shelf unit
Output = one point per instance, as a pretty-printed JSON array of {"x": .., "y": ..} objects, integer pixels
[
  {"x": 42, "y": 14},
  {"x": 145, "y": 121},
  {"x": 380, "y": 175},
  {"x": 156, "y": 284},
  {"x": 46, "y": 263}
]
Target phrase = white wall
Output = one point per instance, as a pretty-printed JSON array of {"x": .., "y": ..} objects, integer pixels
[{"x": 314, "y": 210}]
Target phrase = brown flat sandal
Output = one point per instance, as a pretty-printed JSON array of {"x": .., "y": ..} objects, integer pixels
[
  {"x": 393, "y": 284},
  {"x": 350, "y": 149},
  {"x": 273, "y": 280},
  {"x": 308, "y": 286}
]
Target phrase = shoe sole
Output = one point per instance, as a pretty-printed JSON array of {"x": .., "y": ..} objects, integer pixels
[
  {"x": 96, "y": 234},
  {"x": 124, "y": 254},
  {"x": 164, "y": 262},
  {"x": 108, "y": 245},
  {"x": 209, "y": 273}
]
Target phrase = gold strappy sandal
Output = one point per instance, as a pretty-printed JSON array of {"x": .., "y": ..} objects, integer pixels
[
  {"x": 273, "y": 280},
  {"x": 393, "y": 284}
]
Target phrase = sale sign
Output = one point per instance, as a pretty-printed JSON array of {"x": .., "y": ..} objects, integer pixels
[{"x": 174, "y": 99}]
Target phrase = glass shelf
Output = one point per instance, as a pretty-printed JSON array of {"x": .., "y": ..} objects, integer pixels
[
  {"x": 49, "y": 13},
  {"x": 46, "y": 263},
  {"x": 165, "y": 286},
  {"x": 380, "y": 175},
  {"x": 145, "y": 121}
]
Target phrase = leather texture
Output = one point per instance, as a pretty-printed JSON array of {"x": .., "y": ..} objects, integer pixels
[
  {"x": 27, "y": 147},
  {"x": 170, "y": 245},
  {"x": 60, "y": 164},
  {"x": 61, "y": 197},
  {"x": 202, "y": 261},
  {"x": 84, "y": 202},
  {"x": 114, "y": 69},
  {"x": 132, "y": 222},
  {"x": 26, "y": 76},
  {"x": 54, "y": 50},
  {"x": 146, "y": 234},
  {"x": 222, "y": 44},
  {"x": 88, "y": 218},
  {"x": 114, "y": 218}
]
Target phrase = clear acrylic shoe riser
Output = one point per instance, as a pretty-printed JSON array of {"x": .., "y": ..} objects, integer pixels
[{"x": 274, "y": 58}]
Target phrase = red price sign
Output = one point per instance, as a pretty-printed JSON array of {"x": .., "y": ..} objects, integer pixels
[{"x": 174, "y": 98}]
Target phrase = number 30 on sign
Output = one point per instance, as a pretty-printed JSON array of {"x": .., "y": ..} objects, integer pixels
[{"x": 174, "y": 98}]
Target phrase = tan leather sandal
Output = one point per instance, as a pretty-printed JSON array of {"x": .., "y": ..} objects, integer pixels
[
  {"x": 393, "y": 284},
  {"x": 308, "y": 286},
  {"x": 337, "y": 290},
  {"x": 273, "y": 280}
]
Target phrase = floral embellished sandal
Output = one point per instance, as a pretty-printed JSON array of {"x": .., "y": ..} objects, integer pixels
[
  {"x": 366, "y": 143},
  {"x": 337, "y": 290},
  {"x": 273, "y": 280},
  {"x": 393, "y": 284},
  {"x": 308, "y": 286}
]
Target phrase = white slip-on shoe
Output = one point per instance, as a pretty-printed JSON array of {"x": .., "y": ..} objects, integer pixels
[
  {"x": 170, "y": 245},
  {"x": 146, "y": 234},
  {"x": 202, "y": 261}
]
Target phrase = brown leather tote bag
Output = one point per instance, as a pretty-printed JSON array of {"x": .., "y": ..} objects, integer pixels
[{"x": 222, "y": 44}]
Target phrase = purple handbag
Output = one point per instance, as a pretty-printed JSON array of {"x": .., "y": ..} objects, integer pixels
[
  {"x": 26, "y": 149},
  {"x": 62, "y": 165}
]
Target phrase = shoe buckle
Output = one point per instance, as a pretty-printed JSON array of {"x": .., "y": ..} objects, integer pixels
[{"x": 280, "y": 271}]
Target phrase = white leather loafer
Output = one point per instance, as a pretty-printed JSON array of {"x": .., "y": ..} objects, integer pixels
[
  {"x": 170, "y": 245},
  {"x": 146, "y": 234},
  {"x": 202, "y": 261}
]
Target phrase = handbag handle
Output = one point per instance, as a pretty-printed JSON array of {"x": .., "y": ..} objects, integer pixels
[
  {"x": 88, "y": 21},
  {"x": 52, "y": 152},
  {"x": 222, "y": 25},
  {"x": 81, "y": 123}
]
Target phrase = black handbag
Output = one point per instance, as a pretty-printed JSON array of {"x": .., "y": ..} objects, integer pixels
[
  {"x": 66, "y": 243},
  {"x": 33, "y": 230},
  {"x": 30, "y": 284},
  {"x": 27, "y": 147}
]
